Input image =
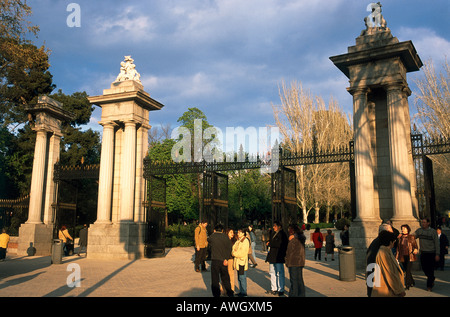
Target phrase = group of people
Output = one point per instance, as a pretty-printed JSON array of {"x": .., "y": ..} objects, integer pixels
[
  {"x": 393, "y": 253},
  {"x": 68, "y": 241},
  {"x": 232, "y": 252}
]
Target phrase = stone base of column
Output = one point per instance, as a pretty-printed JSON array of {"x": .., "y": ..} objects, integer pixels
[
  {"x": 362, "y": 233},
  {"x": 37, "y": 236},
  {"x": 118, "y": 241}
]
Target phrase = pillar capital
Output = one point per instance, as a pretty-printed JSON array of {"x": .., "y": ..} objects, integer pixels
[
  {"x": 356, "y": 91},
  {"x": 395, "y": 86}
]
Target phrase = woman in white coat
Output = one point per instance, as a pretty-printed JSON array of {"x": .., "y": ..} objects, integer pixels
[{"x": 240, "y": 253}]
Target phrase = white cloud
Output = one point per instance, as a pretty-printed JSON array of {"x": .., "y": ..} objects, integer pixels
[
  {"x": 129, "y": 24},
  {"x": 428, "y": 44}
]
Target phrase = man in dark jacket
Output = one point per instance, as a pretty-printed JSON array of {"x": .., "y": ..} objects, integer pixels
[
  {"x": 276, "y": 258},
  {"x": 221, "y": 247},
  {"x": 82, "y": 242}
]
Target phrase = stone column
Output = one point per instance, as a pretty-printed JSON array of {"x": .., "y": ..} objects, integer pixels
[
  {"x": 127, "y": 184},
  {"x": 401, "y": 186},
  {"x": 50, "y": 192},
  {"x": 141, "y": 151},
  {"x": 106, "y": 175},
  {"x": 38, "y": 178},
  {"x": 363, "y": 159}
]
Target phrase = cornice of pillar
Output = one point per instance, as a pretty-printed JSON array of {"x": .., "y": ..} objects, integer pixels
[
  {"x": 146, "y": 126},
  {"x": 130, "y": 123},
  {"x": 392, "y": 86},
  {"x": 108, "y": 124},
  {"x": 355, "y": 91}
]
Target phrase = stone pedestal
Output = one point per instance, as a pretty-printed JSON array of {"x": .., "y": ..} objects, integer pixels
[
  {"x": 119, "y": 231},
  {"x": 385, "y": 181},
  {"x": 118, "y": 241},
  {"x": 37, "y": 235},
  {"x": 48, "y": 116}
]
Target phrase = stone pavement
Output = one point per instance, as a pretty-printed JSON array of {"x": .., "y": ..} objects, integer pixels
[{"x": 174, "y": 276}]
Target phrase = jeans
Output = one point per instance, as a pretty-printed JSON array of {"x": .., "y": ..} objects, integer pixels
[
  {"x": 297, "y": 285},
  {"x": 277, "y": 279},
  {"x": 242, "y": 280}
]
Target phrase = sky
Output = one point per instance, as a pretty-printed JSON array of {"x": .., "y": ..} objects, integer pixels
[{"x": 225, "y": 57}]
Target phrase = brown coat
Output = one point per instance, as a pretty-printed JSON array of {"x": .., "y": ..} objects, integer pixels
[
  {"x": 391, "y": 281},
  {"x": 412, "y": 245},
  {"x": 201, "y": 237},
  {"x": 295, "y": 253}
]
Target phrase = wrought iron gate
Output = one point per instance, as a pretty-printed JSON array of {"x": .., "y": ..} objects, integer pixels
[
  {"x": 422, "y": 148},
  {"x": 284, "y": 196},
  {"x": 215, "y": 198},
  {"x": 155, "y": 237}
]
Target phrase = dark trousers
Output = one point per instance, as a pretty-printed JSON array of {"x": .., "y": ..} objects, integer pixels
[
  {"x": 427, "y": 260},
  {"x": 200, "y": 257},
  {"x": 2, "y": 253},
  {"x": 297, "y": 284},
  {"x": 318, "y": 252},
  {"x": 407, "y": 264},
  {"x": 219, "y": 272},
  {"x": 441, "y": 263}
]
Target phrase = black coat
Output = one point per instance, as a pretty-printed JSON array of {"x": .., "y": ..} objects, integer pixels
[
  {"x": 83, "y": 237},
  {"x": 278, "y": 244},
  {"x": 220, "y": 246}
]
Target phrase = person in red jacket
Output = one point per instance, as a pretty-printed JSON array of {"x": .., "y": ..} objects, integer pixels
[{"x": 317, "y": 238}]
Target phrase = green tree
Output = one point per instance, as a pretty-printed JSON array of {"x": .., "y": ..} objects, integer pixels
[
  {"x": 179, "y": 199},
  {"x": 78, "y": 145},
  {"x": 188, "y": 120},
  {"x": 249, "y": 196}
]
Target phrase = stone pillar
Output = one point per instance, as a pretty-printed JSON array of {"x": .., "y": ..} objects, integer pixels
[
  {"x": 142, "y": 146},
  {"x": 382, "y": 179},
  {"x": 119, "y": 231},
  {"x": 38, "y": 178},
  {"x": 106, "y": 175},
  {"x": 363, "y": 157},
  {"x": 37, "y": 231},
  {"x": 127, "y": 184},
  {"x": 50, "y": 192},
  {"x": 400, "y": 174}
]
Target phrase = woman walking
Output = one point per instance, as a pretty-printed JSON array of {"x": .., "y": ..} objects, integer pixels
[
  {"x": 240, "y": 253},
  {"x": 329, "y": 244},
  {"x": 317, "y": 238},
  {"x": 406, "y": 253}
]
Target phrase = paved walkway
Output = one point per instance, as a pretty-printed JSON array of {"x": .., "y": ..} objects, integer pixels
[{"x": 174, "y": 276}]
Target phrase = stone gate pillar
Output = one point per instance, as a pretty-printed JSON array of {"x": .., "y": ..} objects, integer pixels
[
  {"x": 118, "y": 232},
  {"x": 38, "y": 229},
  {"x": 384, "y": 174}
]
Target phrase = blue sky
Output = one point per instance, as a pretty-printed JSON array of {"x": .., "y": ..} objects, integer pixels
[{"x": 225, "y": 57}]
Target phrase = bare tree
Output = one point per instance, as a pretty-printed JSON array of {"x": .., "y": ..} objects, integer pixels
[
  {"x": 433, "y": 119},
  {"x": 433, "y": 101},
  {"x": 303, "y": 120},
  {"x": 158, "y": 134}
]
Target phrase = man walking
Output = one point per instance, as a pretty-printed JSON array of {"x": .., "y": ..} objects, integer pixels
[
  {"x": 220, "y": 253},
  {"x": 429, "y": 250},
  {"x": 82, "y": 242},
  {"x": 201, "y": 242}
]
